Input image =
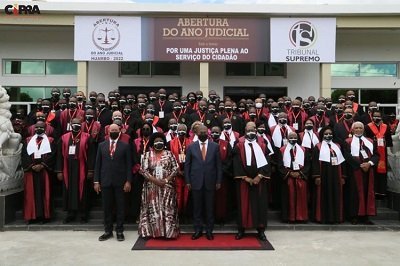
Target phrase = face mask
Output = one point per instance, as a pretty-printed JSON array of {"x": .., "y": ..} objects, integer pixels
[
  {"x": 19, "y": 116},
  {"x": 102, "y": 105},
  {"x": 292, "y": 141},
  {"x": 63, "y": 106},
  {"x": 173, "y": 127},
  {"x": 150, "y": 111},
  {"x": 39, "y": 131},
  {"x": 373, "y": 109},
  {"x": 89, "y": 118},
  {"x": 203, "y": 137},
  {"x": 79, "y": 98},
  {"x": 114, "y": 107},
  {"x": 111, "y": 98},
  {"x": 211, "y": 111},
  {"x": 192, "y": 99},
  {"x": 117, "y": 95},
  {"x": 242, "y": 109},
  {"x": 328, "y": 105},
  {"x": 127, "y": 111},
  {"x": 341, "y": 100},
  {"x": 275, "y": 110},
  {"x": 234, "y": 108},
  {"x": 351, "y": 97},
  {"x": 251, "y": 135},
  {"x": 177, "y": 108},
  {"x": 339, "y": 111},
  {"x": 72, "y": 105},
  {"x": 181, "y": 133},
  {"x": 261, "y": 131},
  {"x": 348, "y": 116},
  {"x": 88, "y": 106},
  {"x": 159, "y": 145},
  {"x": 115, "y": 118},
  {"x": 55, "y": 95},
  {"x": 252, "y": 115},
  {"x": 162, "y": 96},
  {"x": 142, "y": 105},
  {"x": 328, "y": 137},
  {"x": 146, "y": 132},
  {"x": 114, "y": 135},
  {"x": 306, "y": 106},
  {"x": 76, "y": 127},
  {"x": 122, "y": 102},
  {"x": 152, "y": 98},
  {"x": 288, "y": 103},
  {"x": 215, "y": 135},
  {"x": 40, "y": 118},
  {"x": 312, "y": 103},
  {"x": 199, "y": 97},
  {"x": 296, "y": 108},
  {"x": 228, "y": 109},
  {"x": 203, "y": 108},
  {"x": 320, "y": 112},
  {"x": 281, "y": 104},
  {"x": 227, "y": 126},
  {"x": 309, "y": 127},
  {"x": 221, "y": 108},
  {"x": 92, "y": 99},
  {"x": 377, "y": 120},
  {"x": 283, "y": 121},
  {"x": 46, "y": 108},
  {"x": 259, "y": 105},
  {"x": 66, "y": 94},
  {"x": 149, "y": 120},
  {"x": 130, "y": 100},
  {"x": 184, "y": 103}
]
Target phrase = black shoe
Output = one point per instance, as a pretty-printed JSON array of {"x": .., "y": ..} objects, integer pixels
[
  {"x": 197, "y": 235},
  {"x": 84, "y": 220},
  {"x": 261, "y": 236},
  {"x": 209, "y": 236},
  {"x": 120, "y": 237},
  {"x": 239, "y": 235},
  {"x": 368, "y": 222},
  {"x": 106, "y": 236},
  {"x": 68, "y": 219},
  {"x": 354, "y": 221}
]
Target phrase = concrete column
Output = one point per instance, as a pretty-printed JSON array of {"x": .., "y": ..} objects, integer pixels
[
  {"x": 204, "y": 78},
  {"x": 82, "y": 77},
  {"x": 325, "y": 80}
]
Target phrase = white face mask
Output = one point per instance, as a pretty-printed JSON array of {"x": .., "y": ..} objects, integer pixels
[{"x": 258, "y": 105}]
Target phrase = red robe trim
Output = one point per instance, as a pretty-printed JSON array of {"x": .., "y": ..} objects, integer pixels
[
  {"x": 380, "y": 134},
  {"x": 94, "y": 130},
  {"x": 82, "y": 156}
]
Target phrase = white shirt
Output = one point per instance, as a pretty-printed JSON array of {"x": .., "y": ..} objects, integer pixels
[{"x": 201, "y": 144}]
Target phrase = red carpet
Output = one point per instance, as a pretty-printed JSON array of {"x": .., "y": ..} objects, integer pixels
[{"x": 220, "y": 242}]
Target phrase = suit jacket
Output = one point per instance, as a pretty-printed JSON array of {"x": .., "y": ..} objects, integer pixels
[
  {"x": 199, "y": 173},
  {"x": 113, "y": 171}
]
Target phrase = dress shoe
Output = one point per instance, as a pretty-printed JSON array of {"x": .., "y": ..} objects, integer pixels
[
  {"x": 120, "y": 237},
  {"x": 209, "y": 236},
  {"x": 239, "y": 235},
  {"x": 368, "y": 222},
  {"x": 261, "y": 236},
  {"x": 106, "y": 236},
  {"x": 197, "y": 235}
]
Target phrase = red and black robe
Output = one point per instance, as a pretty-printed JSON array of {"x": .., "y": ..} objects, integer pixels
[
  {"x": 252, "y": 201},
  {"x": 37, "y": 185}
]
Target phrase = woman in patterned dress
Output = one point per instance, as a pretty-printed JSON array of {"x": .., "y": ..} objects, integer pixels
[{"x": 158, "y": 212}]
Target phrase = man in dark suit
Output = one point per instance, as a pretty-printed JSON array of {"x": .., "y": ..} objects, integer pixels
[
  {"x": 113, "y": 176},
  {"x": 203, "y": 175}
]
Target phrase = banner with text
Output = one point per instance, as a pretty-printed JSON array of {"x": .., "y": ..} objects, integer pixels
[
  {"x": 107, "y": 38},
  {"x": 303, "y": 40},
  {"x": 211, "y": 39}
]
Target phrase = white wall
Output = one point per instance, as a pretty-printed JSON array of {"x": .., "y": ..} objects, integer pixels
[{"x": 36, "y": 43}]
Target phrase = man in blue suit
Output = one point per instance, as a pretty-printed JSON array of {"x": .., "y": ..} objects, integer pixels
[{"x": 203, "y": 175}]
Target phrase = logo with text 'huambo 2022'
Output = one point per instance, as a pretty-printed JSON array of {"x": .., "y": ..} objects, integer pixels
[
  {"x": 106, "y": 35},
  {"x": 302, "y": 34},
  {"x": 17, "y": 10}
]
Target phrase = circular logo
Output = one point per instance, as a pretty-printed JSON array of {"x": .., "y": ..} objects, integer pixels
[
  {"x": 106, "y": 35},
  {"x": 302, "y": 34}
]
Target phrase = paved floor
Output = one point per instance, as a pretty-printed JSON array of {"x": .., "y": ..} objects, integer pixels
[{"x": 291, "y": 248}]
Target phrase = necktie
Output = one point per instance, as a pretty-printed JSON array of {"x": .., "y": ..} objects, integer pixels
[
  {"x": 253, "y": 155},
  {"x": 39, "y": 141},
  {"x": 112, "y": 148},
  {"x": 293, "y": 154},
  {"x": 203, "y": 150}
]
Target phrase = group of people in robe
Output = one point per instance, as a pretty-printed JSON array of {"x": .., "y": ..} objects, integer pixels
[{"x": 313, "y": 159}]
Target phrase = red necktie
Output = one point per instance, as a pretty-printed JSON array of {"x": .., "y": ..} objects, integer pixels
[{"x": 112, "y": 148}]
